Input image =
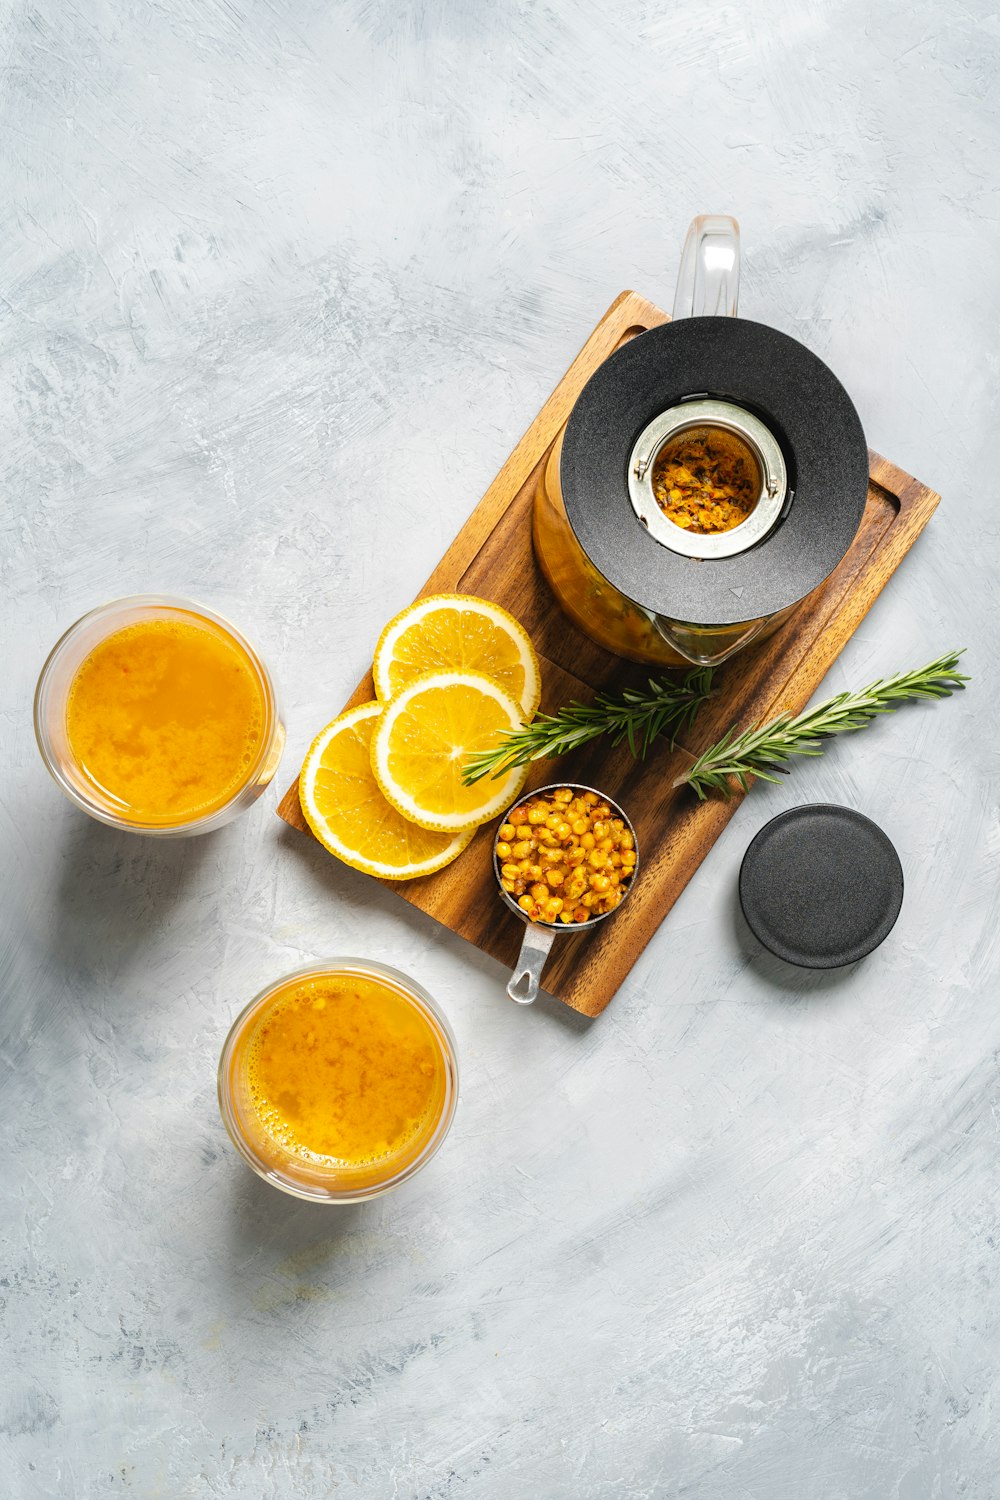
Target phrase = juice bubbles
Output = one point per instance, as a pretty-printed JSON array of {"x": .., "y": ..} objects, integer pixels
[
  {"x": 158, "y": 716},
  {"x": 339, "y": 1081}
]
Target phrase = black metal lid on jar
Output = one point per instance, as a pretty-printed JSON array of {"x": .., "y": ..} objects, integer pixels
[{"x": 795, "y": 395}]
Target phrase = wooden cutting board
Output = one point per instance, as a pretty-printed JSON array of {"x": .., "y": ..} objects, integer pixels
[{"x": 492, "y": 556}]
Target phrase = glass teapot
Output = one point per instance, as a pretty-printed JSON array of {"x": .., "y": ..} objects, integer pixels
[{"x": 649, "y": 585}]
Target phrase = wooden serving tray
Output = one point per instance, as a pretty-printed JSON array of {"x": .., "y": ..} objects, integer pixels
[{"x": 492, "y": 556}]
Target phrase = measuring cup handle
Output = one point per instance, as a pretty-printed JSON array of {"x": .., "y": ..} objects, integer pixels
[
  {"x": 535, "y": 946},
  {"x": 708, "y": 282}
]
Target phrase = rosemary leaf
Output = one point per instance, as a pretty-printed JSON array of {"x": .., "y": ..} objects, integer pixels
[
  {"x": 763, "y": 749},
  {"x": 638, "y": 716}
]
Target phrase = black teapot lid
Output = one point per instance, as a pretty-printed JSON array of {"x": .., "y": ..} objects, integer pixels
[
  {"x": 792, "y": 392},
  {"x": 821, "y": 886}
]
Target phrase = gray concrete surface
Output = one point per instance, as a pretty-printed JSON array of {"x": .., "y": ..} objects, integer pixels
[{"x": 281, "y": 283}]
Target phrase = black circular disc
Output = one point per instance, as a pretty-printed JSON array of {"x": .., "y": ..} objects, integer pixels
[
  {"x": 821, "y": 886},
  {"x": 783, "y": 383}
]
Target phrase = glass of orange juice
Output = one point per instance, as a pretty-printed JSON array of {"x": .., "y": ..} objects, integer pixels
[
  {"x": 340, "y": 1081},
  {"x": 156, "y": 715}
]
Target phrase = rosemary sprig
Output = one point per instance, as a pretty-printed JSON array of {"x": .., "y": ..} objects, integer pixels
[
  {"x": 763, "y": 749},
  {"x": 638, "y": 716}
]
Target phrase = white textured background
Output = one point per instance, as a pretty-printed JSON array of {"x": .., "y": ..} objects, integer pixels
[{"x": 281, "y": 282}]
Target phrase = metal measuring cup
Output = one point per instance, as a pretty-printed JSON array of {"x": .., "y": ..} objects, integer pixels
[{"x": 539, "y": 936}]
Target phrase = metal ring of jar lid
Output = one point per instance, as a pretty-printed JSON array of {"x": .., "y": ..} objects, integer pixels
[{"x": 762, "y": 444}]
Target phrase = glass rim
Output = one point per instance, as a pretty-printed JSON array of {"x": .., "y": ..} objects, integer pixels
[
  {"x": 105, "y": 815},
  {"x": 424, "y": 1001}
]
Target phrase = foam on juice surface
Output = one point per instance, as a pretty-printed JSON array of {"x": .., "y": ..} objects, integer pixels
[
  {"x": 345, "y": 1072},
  {"x": 165, "y": 718}
]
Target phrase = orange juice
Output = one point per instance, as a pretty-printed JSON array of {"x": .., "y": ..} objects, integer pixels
[
  {"x": 338, "y": 1079},
  {"x": 345, "y": 1072},
  {"x": 165, "y": 718}
]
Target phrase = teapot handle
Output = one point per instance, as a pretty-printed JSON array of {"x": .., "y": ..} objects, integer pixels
[{"x": 708, "y": 282}]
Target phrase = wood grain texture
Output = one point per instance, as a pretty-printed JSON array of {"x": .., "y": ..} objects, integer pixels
[{"x": 492, "y": 556}]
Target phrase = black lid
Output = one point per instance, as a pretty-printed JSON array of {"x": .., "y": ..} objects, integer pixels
[
  {"x": 821, "y": 886},
  {"x": 783, "y": 383}
]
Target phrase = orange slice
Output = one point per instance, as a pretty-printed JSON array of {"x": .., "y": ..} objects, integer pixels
[
  {"x": 349, "y": 815},
  {"x": 457, "y": 633},
  {"x": 423, "y": 739}
]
